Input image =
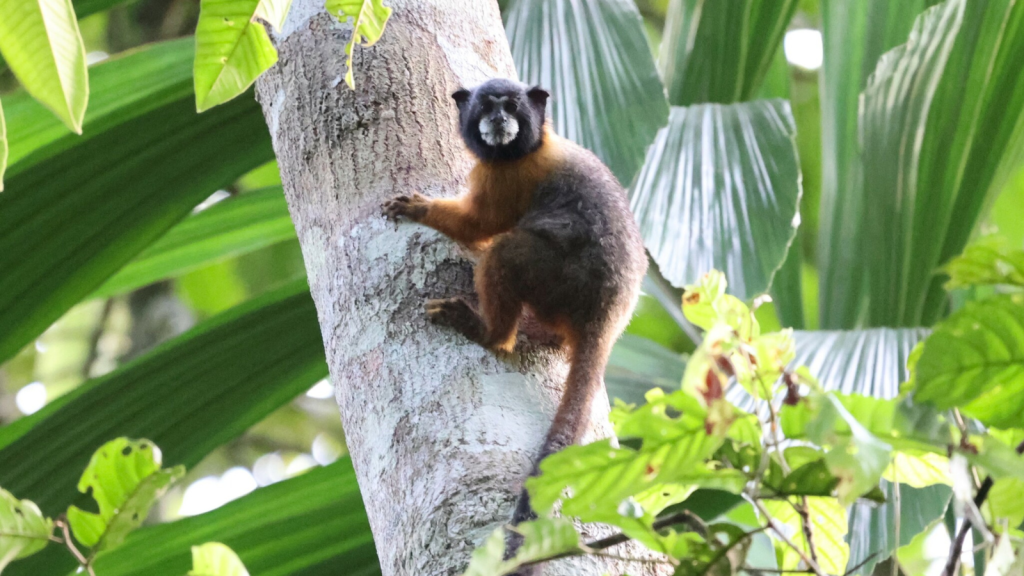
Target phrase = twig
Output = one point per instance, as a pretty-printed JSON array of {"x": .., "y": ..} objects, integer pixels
[
  {"x": 94, "y": 338},
  {"x": 953, "y": 563},
  {"x": 805, "y": 524},
  {"x": 813, "y": 565},
  {"x": 860, "y": 564},
  {"x": 896, "y": 511},
  {"x": 62, "y": 522},
  {"x": 670, "y": 561}
]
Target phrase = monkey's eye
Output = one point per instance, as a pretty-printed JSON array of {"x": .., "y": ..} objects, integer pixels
[{"x": 511, "y": 107}]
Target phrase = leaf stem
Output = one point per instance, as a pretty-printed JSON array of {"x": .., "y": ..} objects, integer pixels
[
  {"x": 953, "y": 563},
  {"x": 811, "y": 563},
  {"x": 62, "y": 522}
]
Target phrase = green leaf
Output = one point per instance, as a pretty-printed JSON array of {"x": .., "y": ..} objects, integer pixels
[
  {"x": 232, "y": 50},
  {"x": 988, "y": 261},
  {"x": 216, "y": 559},
  {"x": 236, "y": 226},
  {"x": 723, "y": 553},
  {"x": 311, "y": 525},
  {"x": 542, "y": 539},
  {"x": 594, "y": 57},
  {"x": 918, "y": 469},
  {"x": 872, "y": 531},
  {"x": 975, "y": 361},
  {"x": 1003, "y": 558},
  {"x": 41, "y": 44},
  {"x": 855, "y": 456},
  {"x": 1004, "y": 502},
  {"x": 855, "y": 34},
  {"x": 737, "y": 162},
  {"x": 828, "y": 527},
  {"x": 3, "y": 148},
  {"x": 125, "y": 479},
  {"x": 943, "y": 127},
  {"x": 637, "y": 365},
  {"x": 721, "y": 51},
  {"x": 23, "y": 529},
  {"x": 231, "y": 371},
  {"x": 274, "y": 12},
  {"x": 368, "y": 19},
  {"x": 84, "y": 208}
]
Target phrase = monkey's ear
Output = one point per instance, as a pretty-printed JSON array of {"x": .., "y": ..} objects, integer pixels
[
  {"x": 538, "y": 95},
  {"x": 461, "y": 96}
]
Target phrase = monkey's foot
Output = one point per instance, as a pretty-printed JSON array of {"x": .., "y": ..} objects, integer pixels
[
  {"x": 458, "y": 314},
  {"x": 412, "y": 207}
]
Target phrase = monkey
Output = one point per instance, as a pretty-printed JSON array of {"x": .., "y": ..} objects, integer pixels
[{"x": 556, "y": 237}]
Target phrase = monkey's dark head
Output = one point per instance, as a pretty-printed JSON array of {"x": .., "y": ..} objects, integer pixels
[{"x": 501, "y": 119}]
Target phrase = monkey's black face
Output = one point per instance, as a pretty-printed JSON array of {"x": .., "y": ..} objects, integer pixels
[{"x": 501, "y": 119}]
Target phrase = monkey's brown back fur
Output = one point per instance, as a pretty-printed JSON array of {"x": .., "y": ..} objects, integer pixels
[{"x": 557, "y": 237}]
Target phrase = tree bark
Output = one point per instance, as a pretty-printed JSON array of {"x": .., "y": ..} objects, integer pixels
[{"x": 441, "y": 432}]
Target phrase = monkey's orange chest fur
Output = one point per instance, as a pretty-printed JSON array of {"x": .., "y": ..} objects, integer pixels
[{"x": 501, "y": 192}]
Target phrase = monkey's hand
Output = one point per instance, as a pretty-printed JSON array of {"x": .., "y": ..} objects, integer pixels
[{"x": 412, "y": 207}]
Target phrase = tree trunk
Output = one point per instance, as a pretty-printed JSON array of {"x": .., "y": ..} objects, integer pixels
[{"x": 441, "y": 432}]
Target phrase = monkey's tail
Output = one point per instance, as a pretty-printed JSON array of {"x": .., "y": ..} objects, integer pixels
[{"x": 586, "y": 377}]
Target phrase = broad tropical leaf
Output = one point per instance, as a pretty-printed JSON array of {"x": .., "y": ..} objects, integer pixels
[
  {"x": 872, "y": 527},
  {"x": 828, "y": 529},
  {"x": 870, "y": 362},
  {"x": 637, "y": 365},
  {"x": 855, "y": 34},
  {"x": 95, "y": 203},
  {"x": 3, "y": 148},
  {"x": 942, "y": 122},
  {"x": 125, "y": 479},
  {"x": 721, "y": 190},
  {"x": 313, "y": 525},
  {"x": 23, "y": 529},
  {"x": 975, "y": 361},
  {"x": 594, "y": 58},
  {"x": 216, "y": 559},
  {"x": 716, "y": 51},
  {"x": 232, "y": 50},
  {"x": 229, "y": 228},
  {"x": 41, "y": 44},
  {"x": 368, "y": 18},
  {"x": 230, "y": 371}
]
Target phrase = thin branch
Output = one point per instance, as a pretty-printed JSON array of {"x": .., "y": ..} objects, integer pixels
[
  {"x": 813, "y": 565},
  {"x": 805, "y": 524},
  {"x": 62, "y": 523},
  {"x": 866, "y": 559},
  {"x": 953, "y": 563},
  {"x": 94, "y": 338},
  {"x": 896, "y": 511},
  {"x": 657, "y": 561}
]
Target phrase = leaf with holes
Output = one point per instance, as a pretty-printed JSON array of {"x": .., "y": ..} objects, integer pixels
[
  {"x": 41, "y": 44},
  {"x": 721, "y": 51},
  {"x": 232, "y": 50},
  {"x": 827, "y": 519},
  {"x": 23, "y": 529},
  {"x": 987, "y": 261},
  {"x": 720, "y": 189},
  {"x": 125, "y": 479},
  {"x": 594, "y": 57},
  {"x": 368, "y": 19},
  {"x": 975, "y": 361},
  {"x": 216, "y": 559}
]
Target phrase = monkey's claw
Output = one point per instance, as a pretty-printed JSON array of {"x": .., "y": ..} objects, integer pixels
[
  {"x": 412, "y": 207},
  {"x": 458, "y": 314}
]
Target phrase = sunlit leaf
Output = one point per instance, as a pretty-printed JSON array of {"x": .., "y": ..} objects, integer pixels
[
  {"x": 274, "y": 12},
  {"x": 594, "y": 58},
  {"x": 918, "y": 469},
  {"x": 855, "y": 33},
  {"x": 720, "y": 51},
  {"x": 216, "y": 559},
  {"x": 1005, "y": 503},
  {"x": 990, "y": 261},
  {"x": 41, "y": 44},
  {"x": 368, "y": 19},
  {"x": 720, "y": 189},
  {"x": 248, "y": 222},
  {"x": 828, "y": 528},
  {"x": 975, "y": 361},
  {"x": 3, "y": 148},
  {"x": 125, "y": 479},
  {"x": 542, "y": 538},
  {"x": 23, "y": 529},
  {"x": 232, "y": 50}
]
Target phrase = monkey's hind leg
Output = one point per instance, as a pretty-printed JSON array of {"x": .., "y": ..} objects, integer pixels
[{"x": 494, "y": 327}]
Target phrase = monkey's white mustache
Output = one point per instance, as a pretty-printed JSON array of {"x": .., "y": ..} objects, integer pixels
[{"x": 499, "y": 134}]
